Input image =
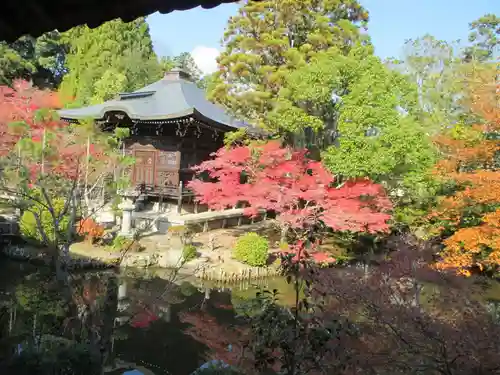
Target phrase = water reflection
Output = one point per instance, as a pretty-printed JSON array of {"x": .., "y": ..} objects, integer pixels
[{"x": 128, "y": 318}]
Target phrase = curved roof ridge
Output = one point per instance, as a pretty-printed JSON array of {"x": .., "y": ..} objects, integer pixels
[{"x": 170, "y": 99}]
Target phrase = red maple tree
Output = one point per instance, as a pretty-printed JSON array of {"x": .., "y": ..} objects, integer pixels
[
  {"x": 31, "y": 131},
  {"x": 280, "y": 179},
  {"x": 43, "y": 161},
  {"x": 18, "y": 106},
  {"x": 205, "y": 329}
]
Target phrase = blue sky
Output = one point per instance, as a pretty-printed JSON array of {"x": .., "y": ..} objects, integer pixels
[{"x": 391, "y": 22}]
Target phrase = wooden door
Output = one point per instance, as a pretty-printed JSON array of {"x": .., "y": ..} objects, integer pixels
[
  {"x": 168, "y": 169},
  {"x": 144, "y": 168}
]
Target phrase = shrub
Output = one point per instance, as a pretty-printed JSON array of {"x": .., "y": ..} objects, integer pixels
[
  {"x": 252, "y": 249},
  {"x": 90, "y": 229},
  {"x": 189, "y": 252},
  {"x": 29, "y": 228},
  {"x": 187, "y": 289},
  {"x": 121, "y": 243}
]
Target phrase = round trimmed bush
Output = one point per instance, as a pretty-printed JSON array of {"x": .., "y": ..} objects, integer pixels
[{"x": 252, "y": 249}]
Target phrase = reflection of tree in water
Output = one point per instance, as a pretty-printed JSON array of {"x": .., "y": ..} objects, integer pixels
[
  {"x": 162, "y": 343},
  {"x": 183, "y": 326},
  {"x": 33, "y": 340}
]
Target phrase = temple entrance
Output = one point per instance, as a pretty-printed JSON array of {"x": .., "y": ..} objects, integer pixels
[{"x": 144, "y": 168}]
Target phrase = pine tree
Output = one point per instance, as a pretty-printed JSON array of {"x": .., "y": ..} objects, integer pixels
[
  {"x": 186, "y": 62},
  {"x": 268, "y": 40},
  {"x": 123, "y": 49},
  {"x": 485, "y": 38},
  {"x": 39, "y": 60},
  {"x": 305, "y": 71}
]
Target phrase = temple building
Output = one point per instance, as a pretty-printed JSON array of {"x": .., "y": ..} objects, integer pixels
[{"x": 173, "y": 127}]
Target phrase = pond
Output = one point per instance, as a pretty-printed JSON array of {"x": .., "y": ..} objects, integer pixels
[
  {"x": 161, "y": 326},
  {"x": 158, "y": 325}
]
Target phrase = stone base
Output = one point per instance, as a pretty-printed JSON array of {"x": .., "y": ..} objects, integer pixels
[
  {"x": 106, "y": 219},
  {"x": 170, "y": 258},
  {"x": 126, "y": 234}
]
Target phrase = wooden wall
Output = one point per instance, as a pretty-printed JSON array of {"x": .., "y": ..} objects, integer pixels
[{"x": 165, "y": 160}]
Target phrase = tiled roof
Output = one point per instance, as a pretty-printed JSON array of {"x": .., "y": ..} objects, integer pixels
[{"x": 172, "y": 97}]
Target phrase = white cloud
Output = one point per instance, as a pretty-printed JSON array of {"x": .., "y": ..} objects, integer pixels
[{"x": 205, "y": 58}]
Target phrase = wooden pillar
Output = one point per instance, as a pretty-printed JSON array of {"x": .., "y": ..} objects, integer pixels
[{"x": 179, "y": 199}]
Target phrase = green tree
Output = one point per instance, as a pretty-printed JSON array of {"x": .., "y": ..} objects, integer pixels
[
  {"x": 114, "y": 47},
  {"x": 268, "y": 40},
  {"x": 166, "y": 64},
  {"x": 40, "y": 60},
  {"x": 304, "y": 70},
  {"x": 437, "y": 70},
  {"x": 108, "y": 85},
  {"x": 485, "y": 38},
  {"x": 13, "y": 65},
  {"x": 186, "y": 62},
  {"x": 370, "y": 117},
  {"x": 207, "y": 81},
  {"x": 140, "y": 71}
]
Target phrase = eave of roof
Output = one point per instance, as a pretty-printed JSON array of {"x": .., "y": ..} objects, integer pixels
[
  {"x": 36, "y": 17},
  {"x": 169, "y": 98}
]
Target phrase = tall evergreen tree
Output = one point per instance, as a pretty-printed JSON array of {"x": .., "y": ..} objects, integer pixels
[
  {"x": 186, "y": 62},
  {"x": 485, "y": 38},
  {"x": 306, "y": 71},
  {"x": 268, "y": 40},
  {"x": 39, "y": 60},
  {"x": 114, "y": 57},
  {"x": 13, "y": 65}
]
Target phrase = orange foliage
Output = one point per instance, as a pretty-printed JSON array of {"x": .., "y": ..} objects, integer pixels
[
  {"x": 90, "y": 229},
  {"x": 468, "y": 159}
]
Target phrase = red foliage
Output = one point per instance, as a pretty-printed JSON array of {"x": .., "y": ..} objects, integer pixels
[
  {"x": 31, "y": 110},
  {"x": 143, "y": 319},
  {"x": 300, "y": 252},
  {"x": 205, "y": 329},
  {"x": 90, "y": 229},
  {"x": 20, "y": 104},
  {"x": 287, "y": 182}
]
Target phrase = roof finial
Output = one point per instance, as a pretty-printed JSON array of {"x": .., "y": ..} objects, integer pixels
[{"x": 177, "y": 74}]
